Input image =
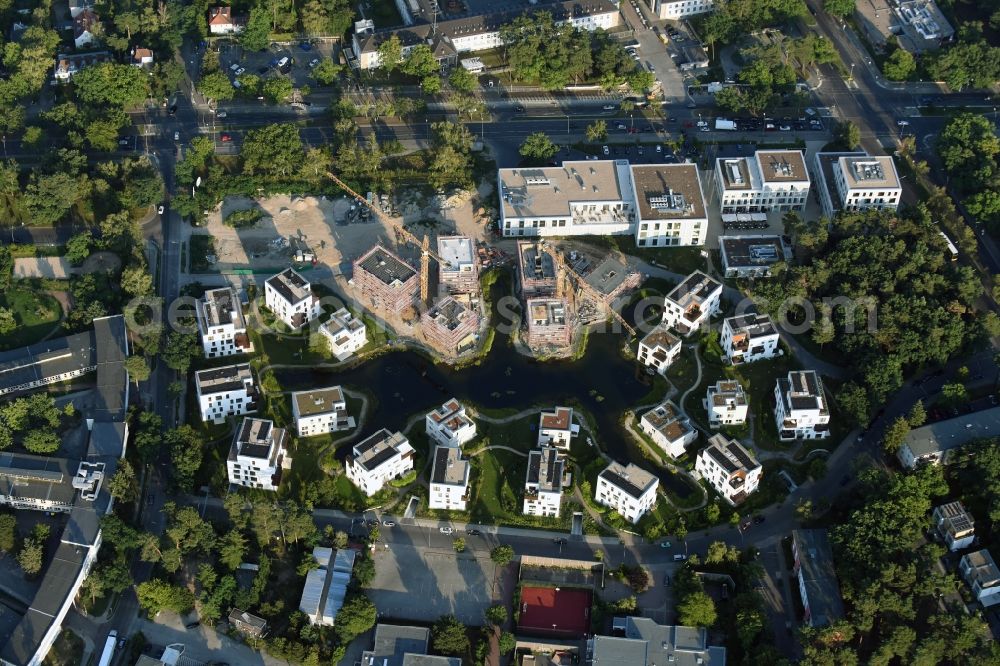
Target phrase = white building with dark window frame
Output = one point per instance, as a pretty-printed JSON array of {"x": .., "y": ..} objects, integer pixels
[
  {"x": 556, "y": 428},
  {"x": 448, "y": 425},
  {"x": 729, "y": 468},
  {"x": 749, "y": 337},
  {"x": 289, "y": 296},
  {"x": 669, "y": 204},
  {"x": 690, "y": 305},
  {"x": 449, "y": 488},
  {"x": 675, "y": 10},
  {"x": 628, "y": 489},
  {"x": 258, "y": 454},
  {"x": 460, "y": 272},
  {"x": 659, "y": 349},
  {"x": 543, "y": 482},
  {"x": 222, "y": 325},
  {"x": 226, "y": 391},
  {"x": 980, "y": 571},
  {"x": 726, "y": 404},
  {"x": 800, "y": 407},
  {"x": 954, "y": 525},
  {"x": 669, "y": 428},
  {"x": 855, "y": 181},
  {"x": 770, "y": 180},
  {"x": 378, "y": 459},
  {"x": 320, "y": 411},
  {"x": 345, "y": 333}
]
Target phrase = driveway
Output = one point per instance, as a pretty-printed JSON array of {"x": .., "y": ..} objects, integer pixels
[{"x": 201, "y": 645}]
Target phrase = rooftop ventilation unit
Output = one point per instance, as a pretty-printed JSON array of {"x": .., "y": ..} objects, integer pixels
[
  {"x": 763, "y": 254},
  {"x": 671, "y": 202},
  {"x": 782, "y": 168},
  {"x": 735, "y": 175},
  {"x": 868, "y": 170}
]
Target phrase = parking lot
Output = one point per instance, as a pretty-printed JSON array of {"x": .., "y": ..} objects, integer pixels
[{"x": 233, "y": 58}]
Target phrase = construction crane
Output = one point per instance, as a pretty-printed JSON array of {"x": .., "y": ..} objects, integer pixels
[
  {"x": 425, "y": 248},
  {"x": 593, "y": 293}
]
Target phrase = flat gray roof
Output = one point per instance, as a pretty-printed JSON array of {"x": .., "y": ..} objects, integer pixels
[
  {"x": 782, "y": 166},
  {"x": 290, "y": 285},
  {"x": 318, "y": 401},
  {"x": 668, "y": 192},
  {"x": 449, "y": 468},
  {"x": 952, "y": 433},
  {"x": 818, "y": 575},
  {"x": 456, "y": 250},
  {"x": 385, "y": 266},
  {"x": 549, "y": 191},
  {"x": 752, "y": 251}
]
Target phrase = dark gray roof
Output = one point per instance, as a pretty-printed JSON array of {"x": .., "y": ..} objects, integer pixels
[
  {"x": 952, "y": 433},
  {"x": 386, "y": 267},
  {"x": 815, "y": 559},
  {"x": 632, "y": 479},
  {"x": 37, "y": 477},
  {"x": 695, "y": 288},
  {"x": 752, "y": 251},
  {"x": 545, "y": 468},
  {"x": 111, "y": 350},
  {"x": 401, "y": 645},
  {"x": 257, "y": 438},
  {"x": 449, "y": 468},
  {"x": 21, "y": 367},
  {"x": 753, "y": 324},
  {"x": 221, "y": 380},
  {"x": 290, "y": 286}
]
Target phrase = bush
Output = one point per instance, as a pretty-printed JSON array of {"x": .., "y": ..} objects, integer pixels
[{"x": 243, "y": 219}]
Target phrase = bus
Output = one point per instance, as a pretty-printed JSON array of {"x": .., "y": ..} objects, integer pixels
[
  {"x": 109, "y": 649},
  {"x": 952, "y": 250}
]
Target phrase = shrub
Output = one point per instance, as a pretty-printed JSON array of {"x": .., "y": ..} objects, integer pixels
[{"x": 243, "y": 219}]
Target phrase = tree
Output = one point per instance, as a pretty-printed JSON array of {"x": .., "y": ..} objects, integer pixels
[
  {"x": 136, "y": 281},
  {"x": 730, "y": 99},
  {"x": 899, "y": 66},
  {"x": 257, "y": 32},
  {"x": 138, "y": 369},
  {"x": 111, "y": 84},
  {"x": 41, "y": 441},
  {"x": 390, "y": 53},
  {"x": 278, "y": 89},
  {"x": 8, "y": 532},
  {"x": 185, "y": 454},
  {"x": 712, "y": 513},
  {"x": 326, "y": 71},
  {"x": 640, "y": 80},
  {"x": 232, "y": 547},
  {"x": 93, "y": 586},
  {"x": 496, "y": 614},
  {"x": 462, "y": 80},
  {"x": 894, "y": 435},
  {"x": 31, "y": 557},
  {"x": 355, "y": 617},
  {"x": 846, "y": 134},
  {"x": 954, "y": 394},
  {"x": 506, "y": 642},
  {"x": 179, "y": 350},
  {"x": 597, "y": 131},
  {"x": 918, "y": 415},
  {"x": 420, "y": 62},
  {"x": 157, "y": 595},
  {"x": 274, "y": 150},
  {"x": 697, "y": 610},
  {"x": 7, "y": 321},
  {"x": 459, "y": 545},
  {"x": 968, "y": 147},
  {"x": 78, "y": 248},
  {"x": 538, "y": 147},
  {"x": 448, "y": 636},
  {"x": 216, "y": 86},
  {"x": 122, "y": 483},
  {"x": 502, "y": 555},
  {"x": 839, "y": 8}
]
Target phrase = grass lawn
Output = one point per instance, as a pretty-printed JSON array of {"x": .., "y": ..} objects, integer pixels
[
  {"x": 202, "y": 245},
  {"x": 683, "y": 371},
  {"x": 35, "y": 312},
  {"x": 758, "y": 380}
]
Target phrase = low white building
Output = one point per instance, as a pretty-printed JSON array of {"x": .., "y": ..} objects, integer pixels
[
  {"x": 222, "y": 22},
  {"x": 320, "y": 411},
  {"x": 690, "y": 305},
  {"x": 628, "y": 489},
  {"x": 668, "y": 428},
  {"x": 556, "y": 428},
  {"x": 289, "y": 296},
  {"x": 748, "y": 338},
  {"x": 448, "y": 425},
  {"x": 378, "y": 459},
  {"x": 729, "y": 468},
  {"x": 857, "y": 181},
  {"x": 449, "y": 480},
  {"x": 345, "y": 334},
  {"x": 726, "y": 404},
  {"x": 659, "y": 349},
  {"x": 981, "y": 573},
  {"x": 954, "y": 525},
  {"x": 221, "y": 323},
  {"x": 227, "y": 391},
  {"x": 800, "y": 407},
  {"x": 258, "y": 454},
  {"x": 674, "y": 10},
  {"x": 770, "y": 180},
  {"x": 544, "y": 481}
]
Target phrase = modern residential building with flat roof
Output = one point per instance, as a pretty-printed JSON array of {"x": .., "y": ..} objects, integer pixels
[
  {"x": 818, "y": 586},
  {"x": 450, "y": 326},
  {"x": 934, "y": 443},
  {"x": 726, "y": 404},
  {"x": 326, "y": 586},
  {"x": 449, "y": 487},
  {"x": 691, "y": 304},
  {"x": 543, "y": 482},
  {"x": 674, "y": 10},
  {"x": 226, "y": 391},
  {"x": 556, "y": 428},
  {"x": 536, "y": 269},
  {"x": 320, "y": 411},
  {"x": 289, "y": 296},
  {"x": 398, "y": 645},
  {"x": 379, "y": 458},
  {"x": 800, "y": 407},
  {"x": 658, "y": 349},
  {"x": 628, "y": 489},
  {"x": 751, "y": 256},
  {"x": 669, "y": 429},
  {"x": 448, "y": 425},
  {"x": 749, "y": 337},
  {"x": 954, "y": 525},
  {"x": 460, "y": 272},
  {"x": 386, "y": 280},
  {"x": 258, "y": 454},
  {"x": 221, "y": 324},
  {"x": 670, "y": 205},
  {"x": 345, "y": 334},
  {"x": 981, "y": 573},
  {"x": 857, "y": 181},
  {"x": 729, "y": 468},
  {"x": 550, "y": 323},
  {"x": 640, "y": 641},
  {"x": 770, "y": 180}
]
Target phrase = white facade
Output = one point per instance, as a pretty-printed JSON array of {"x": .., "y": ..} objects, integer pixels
[
  {"x": 628, "y": 489},
  {"x": 690, "y": 305},
  {"x": 981, "y": 573},
  {"x": 378, "y": 459},
  {"x": 448, "y": 425},
  {"x": 221, "y": 22},
  {"x": 954, "y": 525},
  {"x": 228, "y": 391},
  {"x": 857, "y": 181},
  {"x": 556, "y": 428},
  {"x": 770, "y": 180},
  {"x": 543, "y": 482},
  {"x": 222, "y": 325},
  {"x": 729, "y": 468},
  {"x": 345, "y": 334},
  {"x": 659, "y": 349},
  {"x": 669, "y": 429},
  {"x": 748, "y": 338},
  {"x": 726, "y": 404},
  {"x": 289, "y": 296},
  {"x": 320, "y": 411},
  {"x": 801, "y": 410},
  {"x": 670, "y": 205},
  {"x": 449, "y": 488},
  {"x": 258, "y": 454},
  {"x": 674, "y": 10}
]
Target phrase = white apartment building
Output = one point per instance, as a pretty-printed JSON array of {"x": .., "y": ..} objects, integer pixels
[
  {"x": 668, "y": 428},
  {"x": 748, "y": 338},
  {"x": 659, "y": 349},
  {"x": 981, "y": 573},
  {"x": 857, "y": 181},
  {"x": 691, "y": 304},
  {"x": 460, "y": 271},
  {"x": 726, "y": 404},
  {"x": 228, "y": 391},
  {"x": 448, "y": 425},
  {"x": 258, "y": 454},
  {"x": 674, "y": 10},
  {"x": 729, "y": 468},
  {"x": 221, "y": 323},
  {"x": 954, "y": 525},
  {"x": 289, "y": 296},
  {"x": 628, "y": 489},
  {"x": 670, "y": 205},
  {"x": 801, "y": 410},
  {"x": 544, "y": 481},
  {"x": 378, "y": 459},
  {"x": 345, "y": 334},
  {"x": 770, "y": 180},
  {"x": 320, "y": 411},
  {"x": 556, "y": 428},
  {"x": 449, "y": 479}
]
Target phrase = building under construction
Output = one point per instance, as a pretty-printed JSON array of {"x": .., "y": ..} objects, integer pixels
[
  {"x": 612, "y": 278},
  {"x": 461, "y": 273},
  {"x": 550, "y": 323},
  {"x": 388, "y": 282},
  {"x": 450, "y": 326},
  {"x": 536, "y": 270}
]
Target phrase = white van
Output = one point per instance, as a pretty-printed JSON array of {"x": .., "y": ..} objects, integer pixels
[{"x": 680, "y": 557}]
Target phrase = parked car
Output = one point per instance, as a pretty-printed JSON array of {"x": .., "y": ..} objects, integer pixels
[
  {"x": 240, "y": 71},
  {"x": 313, "y": 63},
  {"x": 680, "y": 557},
  {"x": 664, "y": 544},
  {"x": 225, "y": 138},
  {"x": 757, "y": 520},
  {"x": 607, "y": 151},
  {"x": 235, "y": 66},
  {"x": 159, "y": 210},
  {"x": 445, "y": 530},
  {"x": 177, "y": 136},
  {"x": 124, "y": 142},
  {"x": 221, "y": 114},
  {"x": 305, "y": 46},
  {"x": 609, "y": 107},
  {"x": 192, "y": 625},
  {"x": 173, "y": 109},
  {"x": 371, "y": 522},
  {"x": 785, "y": 128},
  {"x": 388, "y": 523},
  {"x": 559, "y": 542},
  {"x": 518, "y": 108},
  {"x": 473, "y": 532}
]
